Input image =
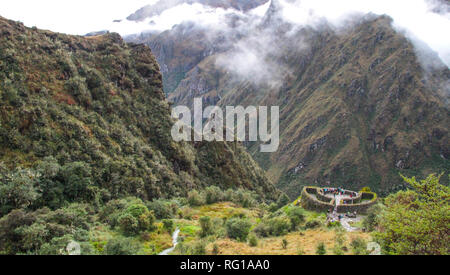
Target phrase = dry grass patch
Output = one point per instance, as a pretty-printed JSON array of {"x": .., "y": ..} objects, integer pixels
[{"x": 306, "y": 241}]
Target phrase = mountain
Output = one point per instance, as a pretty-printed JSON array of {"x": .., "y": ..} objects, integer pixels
[
  {"x": 358, "y": 106},
  {"x": 92, "y": 110},
  {"x": 183, "y": 47},
  {"x": 163, "y": 5}
]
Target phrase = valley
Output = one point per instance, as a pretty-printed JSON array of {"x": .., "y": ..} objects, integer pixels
[{"x": 89, "y": 163}]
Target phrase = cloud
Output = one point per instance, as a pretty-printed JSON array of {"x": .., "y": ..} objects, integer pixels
[
  {"x": 427, "y": 21},
  {"x": 201, "y": 15},
  {"x": 420, "y": 20},
  {"x": 72, "y": 17}
]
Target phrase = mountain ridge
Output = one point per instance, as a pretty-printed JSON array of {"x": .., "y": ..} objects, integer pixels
[
  {"x": 97, "y": 102},
  {"x": 365, "y": 134}
]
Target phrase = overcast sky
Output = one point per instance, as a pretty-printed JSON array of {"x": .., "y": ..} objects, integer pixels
[
  {"x": 83, "y": 16},
  {"x": 73, "y": 17}
]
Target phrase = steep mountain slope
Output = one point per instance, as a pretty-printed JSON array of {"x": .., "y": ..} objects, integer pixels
[
  {"x": 95, "y": 107},
  {"x": 357, "y": 107},
  {"x": 181, "y": 49},
  {"x": 356, "y": 110}
]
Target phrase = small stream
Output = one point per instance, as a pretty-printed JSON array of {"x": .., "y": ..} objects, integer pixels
[{"x": 174, "y": 242}]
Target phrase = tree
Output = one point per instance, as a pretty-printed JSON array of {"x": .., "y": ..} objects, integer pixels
[
  {"x": 135, "y": 219},
  {"x": 77, "y": 181},
  {"x": 195, "y": 199},
  {"x": 416, "y": 221},
  {"x": 296, "y": 216},
  {"x": 18, "y": 190},
  {"x": 373, "y": 217},
  {"x": 168, "y": 225},
  {"x": 238, "y": 228},
  {"x": 213, "y": 194},
  {"x": 206, "y": 226},
  {"x": 283, "y": 200}
]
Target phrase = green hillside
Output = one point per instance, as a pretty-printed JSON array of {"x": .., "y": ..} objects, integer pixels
[
  {"x": 83, "y": 122},
  {"x": 357, "y": 107}
]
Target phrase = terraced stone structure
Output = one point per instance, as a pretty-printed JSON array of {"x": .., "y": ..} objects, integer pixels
[{"x": 317, "y": 199}]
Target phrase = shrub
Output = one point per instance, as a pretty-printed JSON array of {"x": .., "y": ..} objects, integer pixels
[
  {"x": 244, "y": 198},
  {"x": 277, "y": 226},
  {"x": 168, "y": 225},
  {"x": 121, "y": 246},
  {"x": 296, "y": 216},
  {"x": 415, "y": 222},
  {"x": 199, "y": 248},
  {"x": 163, "y": 209},
  {"x": 77, "y": 87},
  {"x": 312, "y": 224},
  {"x": 187, "y": 213},
  {"x": 359, "y": 246},
  {"x": 321, "y": 249},
  {"x": 229, "y": 195},
  {"x": 18, "y": 190},
  {"x": 77, "y": 178},
  {"x": 110, "y": 213},
  {"x": 206, "y": 226},
  {"x": 284, "y": 244},
  {"x": 129, "y": 224},
  {"x": 283, "y": 200},
  {"x": 135, "y": 219},
  {"x": 253, "y": 240},
  {"x": 340, "y": 237},
  {"x": 371, "y": 221},
  {"x": 273, "y": 207},
  {"x": 213, "y": 194},
  {"x": 238, "y": 228},
  {"x": 337, "y": 250},
  {"x": 215, "y": 250},
  {"x": 195, "y": 199},
  {"x": 334, "y": 224},
  {"x": 280, "y": 226}
]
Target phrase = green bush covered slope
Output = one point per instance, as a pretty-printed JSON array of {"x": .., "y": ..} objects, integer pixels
[{"x": 88, "y": 120}]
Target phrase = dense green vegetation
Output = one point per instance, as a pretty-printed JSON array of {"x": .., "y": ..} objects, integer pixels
[
  {"x": 85, "y": 146},
  {"x": 412, "y": 222},
  {"x": 86, "y": 156},
  {"x": 416, "y": 221}
]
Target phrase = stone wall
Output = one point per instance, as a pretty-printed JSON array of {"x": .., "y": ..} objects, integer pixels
[
  {"x": 313, "y": 199},
  {"x": 321, "y": 197},
  {"x": 360, "y": 208},
  {"x": 309, "y": 202}
]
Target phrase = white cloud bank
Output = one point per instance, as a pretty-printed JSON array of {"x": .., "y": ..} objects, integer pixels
[
  {"x": 415, "y": 17},
  {"x": 72, "y": 17}
]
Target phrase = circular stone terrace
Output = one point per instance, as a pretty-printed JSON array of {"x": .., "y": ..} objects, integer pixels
[{"x": 338, "y": 200}]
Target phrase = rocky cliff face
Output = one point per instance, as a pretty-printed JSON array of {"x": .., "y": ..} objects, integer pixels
[
  {"x": 97, "y": 103},
  {"x": 357, "y": 107}
]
